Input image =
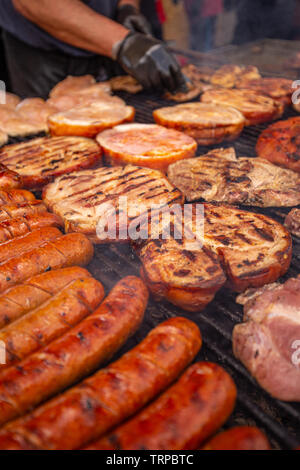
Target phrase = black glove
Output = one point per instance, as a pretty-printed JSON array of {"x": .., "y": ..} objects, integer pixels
[
  {"x": 150, "y": 63},
  {"x": 132, "y": 19}
]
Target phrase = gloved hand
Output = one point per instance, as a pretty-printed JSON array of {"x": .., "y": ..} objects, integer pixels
[
  {"x": 150, "y": 63},
  {"x": 132, "y": 19}
]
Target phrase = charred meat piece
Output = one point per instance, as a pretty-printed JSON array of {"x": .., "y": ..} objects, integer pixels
[
  {"x": 268, "y": 341},
  {"x": 280, "y": 144},
  {"x": 292, "y": 222},
  {"x": 125, "y": 83},
  {"x": 220, "y": 176}
]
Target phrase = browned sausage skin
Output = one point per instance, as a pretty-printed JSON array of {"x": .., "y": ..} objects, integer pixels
[
  {"x": 11, "y": 211},
  {"x": 21, "y": 299},
  {"x": 68, "y": 250},
  {"x": 51, "y": 320},
  {"x": 19, "y": 226},
  {"x": 182, "y": 417},
  {"x": 102, "y": 401},
  {"x": 76, "y": 353},
  {"x": 9, "y": 179},
  {"x": 16, "y": 196},
  {"x": 239, "y": 438}
]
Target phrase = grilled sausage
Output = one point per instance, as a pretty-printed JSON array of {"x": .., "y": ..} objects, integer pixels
[
  {"x": 52, "y": 319},
  {"x": 239, "y": 438},
  {"x": 19, "y": 300},
  {"x": 12, "y": 211},
  {"x": 30, "y": 241},
  {"x": 75, "y": 354},
  {"x": 182, "y": 417},
  {"x": 102, "y": 401},
  {"x": 68, "y": 250},
  {"x": 13, "y": 228},
  {"x": 9, "y": 179},
  {"x": 16, "y": 196}
]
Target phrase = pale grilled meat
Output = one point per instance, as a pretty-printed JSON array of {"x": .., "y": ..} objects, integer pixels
[
  {"x": 267, "y": 342},
  {"x": 3, "y": 138},
  {"x": 81, "y": 199},
  {"x": 222, "y": 177},
  {"x": 292, "y": 222},
  {"x": 242, "y": 248},
  {"x": 228, "y": 76}
]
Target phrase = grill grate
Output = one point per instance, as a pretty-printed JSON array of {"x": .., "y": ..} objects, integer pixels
[{"x": 280, "y": 421}]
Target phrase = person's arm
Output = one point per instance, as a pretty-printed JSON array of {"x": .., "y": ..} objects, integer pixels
[
  {"x": 73, "y": 22},
  {"x": 134, "y": 3}
]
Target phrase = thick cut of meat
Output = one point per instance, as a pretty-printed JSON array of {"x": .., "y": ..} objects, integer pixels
[
  {"x": 229, "y": 75},
  {"x": 13, "y": 124},
  {"x": 39, "y": 161},
  {"x": 292, "y": 222},
  {"x": 98, "y": 91},
  {"x": 191, "y": 263},
  {"x": 276, "y": 88},
  {"x": 90, "y": 119},
  {"x": 268, "y": 341},
  {"x": 194, "y": 90},
  {"x": 280, "y": 143},
  {"x": 220, "y": 176},
  {"x": 71, "y": 84},
  {"x": 146, "y": 145},
  {"x": 125, "y": 83},
  {"x": 3, "y": 137},
  {"x": 207, "y": 123},
  {"x": 255, "y": 107},
  {"x": 11, "y": 100},
  {"x": 197, "y": 74},
  {"x": 36, "y": 111},
  {"x": 107, "y": 203}
]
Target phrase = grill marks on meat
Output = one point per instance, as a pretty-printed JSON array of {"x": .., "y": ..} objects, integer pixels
[
  {"x": 238, "y": 248},
  {"x": 266, "y": 342},
  {"x": 220, "y": 176},
  {"x": 81, "y": 198},
  {"x": 280, "y": 144},
  {"x": 39, "y": 160}
]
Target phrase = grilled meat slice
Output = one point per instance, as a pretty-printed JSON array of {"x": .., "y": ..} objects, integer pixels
[
  {"x": 72, "y": 84},
  {"x": 292, "y": 222},
  {"x": 197, "y": 74},
  {"x": 207, "y": 123},
  {"x": 220, "y": 176},
  {"x": 11, "y": 100},
  {"x": 185, "y": 266},
  {"x": 3, "y": 138},
  {"x": 98, "y": 91},
  {"x": 277, "y": 88},
  {"x": 39, "y": 161},
  {"x": 256, "y": 108},
  {"x": 280, "y": 144},
  {"x": 268, "y": 341},
  {"x": 36, "y": 111},
  {"x": 229, "y": 75},
  {"x": 125, "y": 83},
  {"x": 92, "y": 201},
  {"x": 194, "y": 90}
]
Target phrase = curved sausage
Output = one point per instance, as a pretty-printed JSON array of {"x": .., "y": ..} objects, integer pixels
[
  {"x": 12, "y": 211},
  {"x": 16, "y": 196},
  {"x": 13, "y": 228},
  {"x": 28, "y": 242},
  {"x": 182, "y": 417},
  {"x": 68, "y": 250},
  {"x": 9, "y": 179},
  {"x": 19, "y": 300},
  {"x": 52, "y": 319},
  {"x": 76, "y": 353},
  {"x": 107, "y": 398},
  {"x": 239, "y": 438}
]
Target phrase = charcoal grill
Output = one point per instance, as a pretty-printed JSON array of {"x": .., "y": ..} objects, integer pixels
[{"x": 279, "y": 420}]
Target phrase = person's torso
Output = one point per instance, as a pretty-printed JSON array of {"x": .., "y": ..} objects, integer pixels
[{"x": 26, "y": 31}]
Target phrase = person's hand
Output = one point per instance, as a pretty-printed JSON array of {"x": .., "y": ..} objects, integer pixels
[
  {"x": 150, "y": 63},
  {"x": 132, "y": 19}
]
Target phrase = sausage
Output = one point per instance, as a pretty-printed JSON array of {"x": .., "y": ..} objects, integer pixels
[
  {"x": 16, "y": 196},
  {"x": 9, "y": 179},
  {"x": 239, "y": 438},
  {"x": 18, "y": 246},
  {"x": 19, "y": 300},
  {"x": 12, "y": 211},
  {"x": 76, "y": 353},
  {"x": 52, "y": 319},
  {"x": 107, "y": 398},
  {"x": 182, "y": 417},
  {"x": 68, "y": 250},
  {"x": 13, "y": 228}
]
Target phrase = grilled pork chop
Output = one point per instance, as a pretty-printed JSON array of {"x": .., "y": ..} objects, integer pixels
[
  {"x": 92, "y": 201},
  {"x": 229, "y": 75},
  {"x": 222, "y": 177},
  {"x": 125, "y": 83},
  {"x": 277, "y": 88},
  {"x": 71, "y": 84},
  {"x": 190, "y": 266},
  {"x": 292, "y": 222},
  {"x": 98, "y": 91},
  {"x": 40, "y": 160},
  {"x": 36, "y": 111},
  {"x": 268, "y": 342},
  {"x": 280, "y": 144},
  {"x": 3, "y": 138}
]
